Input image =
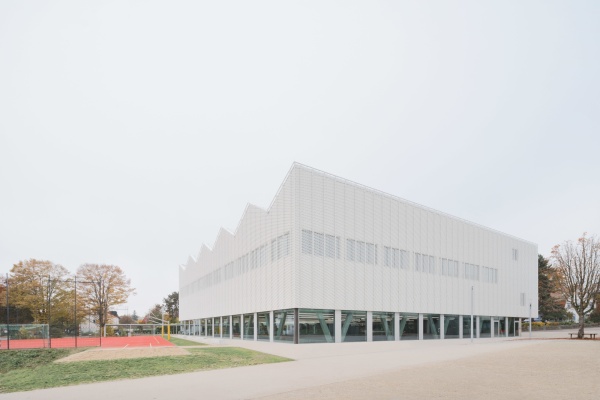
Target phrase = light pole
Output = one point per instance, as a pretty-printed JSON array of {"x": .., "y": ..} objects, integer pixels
[
  {"x": 530, "y": 319},
  {"x": 472, "y": 313}
]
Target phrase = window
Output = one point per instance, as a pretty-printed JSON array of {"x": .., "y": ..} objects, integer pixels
[
  {"x": 273, "y": 250},
  {"x": 307, "y": 242},
  {"x": 370, "y": 259},
  {"x": 318, "y": 244},
  {"x": 330, "y": 246},
  {"x": 404, "y": 259},
  {"x": 472, "y": 271},
  {"x": 350, "y": 248},
  {"x": 523, "y": 299},
  {"x": 280, "y": 247},
  {"x": 362, "y": 252},
  {"x": 515, "y": 254}
]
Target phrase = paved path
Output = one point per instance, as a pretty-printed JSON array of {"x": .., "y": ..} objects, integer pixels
[{"x": 320, "y": 367}]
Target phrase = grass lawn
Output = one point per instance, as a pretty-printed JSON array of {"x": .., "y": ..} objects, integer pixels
[
  {"x": 185, "y": 342},
  {"x": 34, "y": 369}
]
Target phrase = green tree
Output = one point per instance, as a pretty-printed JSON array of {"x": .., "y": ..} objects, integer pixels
[
  {"x": 171, "y": 303},
  {"x": 550, "y": 307},
  {"x": 154, "y": 315}
]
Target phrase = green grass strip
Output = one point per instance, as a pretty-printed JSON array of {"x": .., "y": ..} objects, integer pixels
[
  {"x": 185, "y": 342},
  {"x": 28, "y": 376}
]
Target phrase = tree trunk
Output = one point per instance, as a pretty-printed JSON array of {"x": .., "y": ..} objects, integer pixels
[{"x": 581, "y": 326}]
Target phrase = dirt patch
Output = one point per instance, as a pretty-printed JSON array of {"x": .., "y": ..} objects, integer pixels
[{"x": 117, "y": 354}]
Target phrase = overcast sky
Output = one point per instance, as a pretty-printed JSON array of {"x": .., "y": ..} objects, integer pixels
[{"x": 131, "y": 131}]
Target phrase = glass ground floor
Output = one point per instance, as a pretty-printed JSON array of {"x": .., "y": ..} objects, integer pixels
[{"x": 305, "y": 325}]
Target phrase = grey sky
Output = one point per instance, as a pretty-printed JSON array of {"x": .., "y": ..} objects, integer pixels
[{"x": 131, "y": 131}]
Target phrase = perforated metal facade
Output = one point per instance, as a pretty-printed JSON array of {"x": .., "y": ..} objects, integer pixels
[{"x": 330, "y": 244}]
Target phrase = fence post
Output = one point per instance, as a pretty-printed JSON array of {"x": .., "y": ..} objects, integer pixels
[
  {"x": 49, "y": 325},
  {"x": 7, "y": 317},
  {"x": 76, "y": 324}
]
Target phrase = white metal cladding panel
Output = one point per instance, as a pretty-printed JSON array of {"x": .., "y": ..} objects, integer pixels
[
  {"x": 341, "y": 271},
  {"x": 364, "y": 215},
  {"x": 254, "y": 288},
  {"x": 310, "y": 200}
]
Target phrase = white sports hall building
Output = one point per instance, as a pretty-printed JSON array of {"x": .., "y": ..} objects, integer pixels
[{"x": 334, "y": 261}]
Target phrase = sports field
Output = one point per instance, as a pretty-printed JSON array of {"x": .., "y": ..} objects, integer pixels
[{"x": 67, "y": 342}]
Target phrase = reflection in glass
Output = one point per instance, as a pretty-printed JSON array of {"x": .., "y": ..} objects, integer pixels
[
  {"x": 217, "y": 327},
  {"x": 354, "y": 326},
  {"x": 263, "y": 326},
  {"x": 467, "y": 326},
  {"x": 513, "y": 326},
  {"x": 248, "y": 326},
  {"x": 316, "y": 326},
  {"x": 431, "y": 326},
  {"x": 409, "y": 326},
  {"x": 226, "y": 326},
  {"x": 209, "y": 327},
  {"x": 485, "y": 327},
  {"x": 235, "y": 325},
  {"x": 284, "y": 325},
  {"x": 383, "y": 326},
  {"x": 451, "y": 327}
]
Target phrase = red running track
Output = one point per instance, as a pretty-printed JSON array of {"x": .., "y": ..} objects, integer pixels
[{"x": 113, "y": 341}]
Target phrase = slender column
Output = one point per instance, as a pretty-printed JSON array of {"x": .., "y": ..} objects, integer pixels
[
  {"x": 397, "y": 326},
  {"x": 255, "y": 327},
  {"x": 338, "y": 326},
  {"x": 271, "y": 326},
  {"x": 492, "y": 326},
  {"x": 460, "y": 326},
  {"x": 296, "y": 327},
  {"x": 442, "y": 327},
  {"x": 506, "y": 329},
  {"x": 242, "y": 327},
  {"x": 369, "y": 326},
  {"x": 420, "y": 326},
  {"x": 213, "y": 326},
  {"x": 477, "y": 325}
]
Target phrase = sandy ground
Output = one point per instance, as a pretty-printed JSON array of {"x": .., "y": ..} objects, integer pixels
[
  {"x": 556, "y": 369},
  {"x": 114, "y": 354}
]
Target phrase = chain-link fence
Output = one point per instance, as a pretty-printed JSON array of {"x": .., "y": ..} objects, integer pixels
[{"x": 45, "y": 313}]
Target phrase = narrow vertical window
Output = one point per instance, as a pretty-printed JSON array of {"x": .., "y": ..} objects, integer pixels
[
  {"x": 350, "y": 249},
  {"x": 307, "y": 242},
  {"x": 318, "y": 244},
  {"x": 330, "y": 246},
  {"x": 360, "y": 251}
]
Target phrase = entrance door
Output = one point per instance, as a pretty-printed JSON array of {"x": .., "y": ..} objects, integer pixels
[{"x": 497, "y": 328}]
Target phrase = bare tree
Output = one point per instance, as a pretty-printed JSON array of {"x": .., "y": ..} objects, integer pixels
[
  {"x": 106, "y": 286},
  {"x": 578, "y": 270}
]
